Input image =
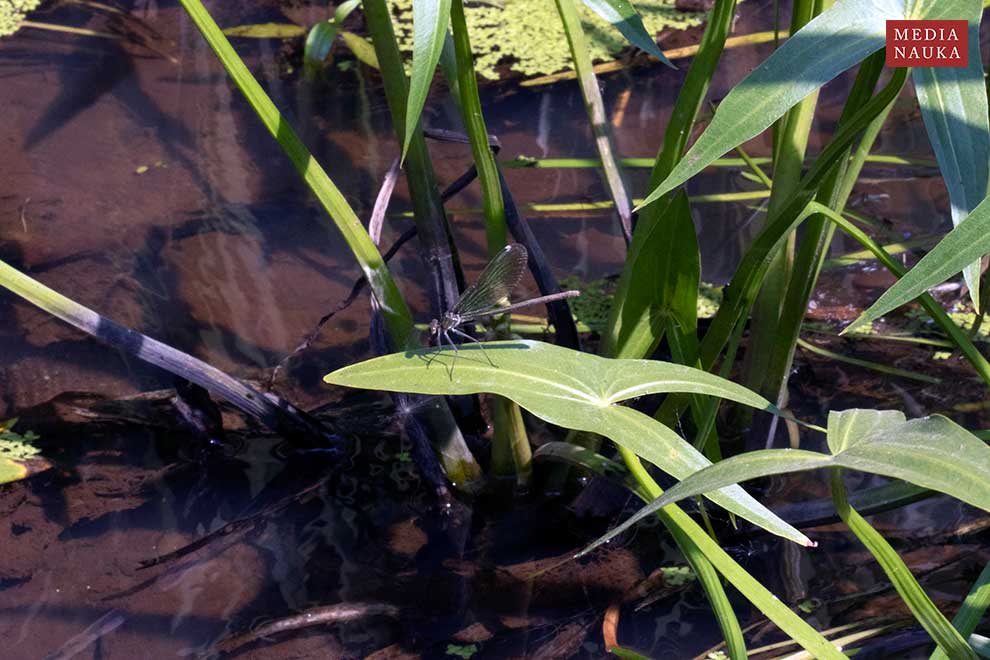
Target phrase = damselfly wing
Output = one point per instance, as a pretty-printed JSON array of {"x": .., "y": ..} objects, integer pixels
[{"x": 489, "y": 296}]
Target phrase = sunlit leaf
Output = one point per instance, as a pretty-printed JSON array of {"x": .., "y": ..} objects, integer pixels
[
  {"x": 574, "y": 390},
  {"x": 430, "y": 20},
  {"x": 953, "y": 104},
  {"x": 960, "y": 247},
  {"x": 344, "y": 10},
  {"x": 932, "y": 452},
  {"x": 266, "y": 31},
  {"x": 361, "y": 47},
  {"x": 624, "y": 18},
  {"x": 834, "y": 41}
]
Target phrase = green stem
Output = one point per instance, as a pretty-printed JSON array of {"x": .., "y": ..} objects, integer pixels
[
  {"x": 397, "y": 316},
  {"x": 818, "y": 234},
  {"x": 511, "y": 453},
  {"x": 595, "y": 109},
  {"x": 431, "y": 223},
  {"x": 790, "y": 146},
  {"x": 474, "y": 123},
  {"x": 697, "y": 545},
  {"x": 924, "y": 610}
]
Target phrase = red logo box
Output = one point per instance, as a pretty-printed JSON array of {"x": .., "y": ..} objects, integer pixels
[{"x": 927, "y": 43}]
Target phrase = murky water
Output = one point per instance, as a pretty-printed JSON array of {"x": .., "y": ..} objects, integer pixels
[{"x": 146, "y": 190}]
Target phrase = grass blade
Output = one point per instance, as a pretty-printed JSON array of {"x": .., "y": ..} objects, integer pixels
[
  {"x": 397, "y": 315},
  {"x": 972, "y": 611},
  {"x": 831, "y": 43},
  {"x": 624, "y": 18},
  {"x": 430, "y": 20},
  {"x": 924, "y": 610},
  {"x": 595, "y": 108},
  {"x": 954, "y": 107}
]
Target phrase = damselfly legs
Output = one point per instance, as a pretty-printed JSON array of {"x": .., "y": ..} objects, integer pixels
[{"x": 488, "y": 297}]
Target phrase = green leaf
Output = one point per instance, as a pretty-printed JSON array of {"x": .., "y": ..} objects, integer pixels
[
  {"x": 954, "y": 107},
  {"x": 341, "y": 13},
  {"x": 960, "y": 247},
  {"x": 624, "y": 18},
  {"x": 361, "y": 47},
  {"x": 319, "y": 41},
  {"x": 17, "y": 469},
  {"x": 430, "y": 20},
  {"x": 266, "y": 31},
  {"x": 831, "y": 43},
  {"x": 932, "y": 452},
  {"x": 574, "y": 390},
  {"x": 658, "y": 282}
]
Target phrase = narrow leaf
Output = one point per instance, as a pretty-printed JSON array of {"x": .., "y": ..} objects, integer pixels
[
  {"x": 266, "y": 31},
  {"x": 831, "y": 43},
  {"x": 960, "y": 247},
  {"x": 953, "y": 104},
  {"x": 624, "y": 18},
  {"x": 430, "y": 19},
  {"x": 319, "y": 41},
  {"x": 361, "y": 47}
]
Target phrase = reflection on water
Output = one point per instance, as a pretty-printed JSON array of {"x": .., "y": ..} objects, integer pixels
[{"x": 146, "y": 189}]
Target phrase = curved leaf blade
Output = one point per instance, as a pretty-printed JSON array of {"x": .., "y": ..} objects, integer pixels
[
  {"x": 430, "y": 19},
  {"x": 960, "y": 247},
  {"x": 954, "y": 108},
  {"x": 931, "y": 452},
  {"x": 319, "y": 41},
  {"x": 577, "y": 391},
  {"x": 834, "y": 41},
  {"x": 624, "y": 18}
]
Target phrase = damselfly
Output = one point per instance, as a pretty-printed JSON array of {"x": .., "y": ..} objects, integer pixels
[{"x": 486, "y": 297}]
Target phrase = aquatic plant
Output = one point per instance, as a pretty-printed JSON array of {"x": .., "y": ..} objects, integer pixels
[
  {"x": 13, "y": 12},
  {"x": 655, "y": 304},
  {"x": 19, "y": 457},
  {"x": 527, "y": 37}
]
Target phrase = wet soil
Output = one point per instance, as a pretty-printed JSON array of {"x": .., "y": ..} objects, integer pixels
[{"x": 144, "y": 189}]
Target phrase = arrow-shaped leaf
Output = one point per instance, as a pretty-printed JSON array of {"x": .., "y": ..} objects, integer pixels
[
  {"x": 932, "y": 452},
  {"x": 574, "y": 390}
]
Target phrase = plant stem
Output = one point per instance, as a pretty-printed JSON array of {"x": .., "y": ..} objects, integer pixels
[
  {"x": 511, "y": 452},
  {"x": 924, "y": 610},
  {"x": 595, "y": 109},
  {"x": 397, "y": 316},
  {"x": 431, "y": 222}
]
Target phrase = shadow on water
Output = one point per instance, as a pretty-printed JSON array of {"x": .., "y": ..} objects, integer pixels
[{"x": 149, "y": 192}]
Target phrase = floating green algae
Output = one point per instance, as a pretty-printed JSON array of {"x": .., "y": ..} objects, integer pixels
[
  {"x": 12, "y": 12},
  {"x": 527, "y": 36},
  {"x": 593, "y": 306}
]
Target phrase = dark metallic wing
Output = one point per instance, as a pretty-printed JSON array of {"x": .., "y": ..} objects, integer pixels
[{"x": 496, "y": 282}]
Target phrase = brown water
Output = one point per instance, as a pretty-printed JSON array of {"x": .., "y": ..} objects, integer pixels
[{"x": 146, "y": 190}]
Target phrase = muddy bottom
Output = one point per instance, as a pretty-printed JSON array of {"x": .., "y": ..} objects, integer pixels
[
  {"x": 98, "y": 561},
  {"x": 144, "y": 188}
]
